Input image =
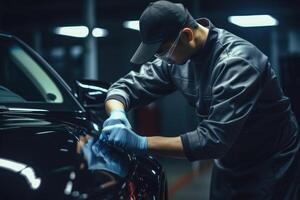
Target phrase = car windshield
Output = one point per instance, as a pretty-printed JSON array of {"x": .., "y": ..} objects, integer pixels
[{"x": 24, "y": 81}]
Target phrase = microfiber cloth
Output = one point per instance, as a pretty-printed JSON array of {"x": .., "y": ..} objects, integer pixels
[{"x": 99, "y": 155}]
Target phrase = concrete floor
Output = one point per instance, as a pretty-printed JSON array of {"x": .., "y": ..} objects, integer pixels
[{"x": 186, "y": 183}]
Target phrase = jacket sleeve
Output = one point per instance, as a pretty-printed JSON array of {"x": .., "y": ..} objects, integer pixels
[
  {"x": 140, "y": 88},
  {"x": 235, "y": 90}
]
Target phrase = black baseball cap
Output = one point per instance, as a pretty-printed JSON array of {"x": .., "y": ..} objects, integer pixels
[{"x": 160, "y": 21}]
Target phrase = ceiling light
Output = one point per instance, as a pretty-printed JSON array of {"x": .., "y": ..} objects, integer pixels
[
  {"x": 99, "y": 32},
  {"x": 133, "y": 24},
  {"x": 73, "y": 31},
  {"x": 253, "y": 20}
]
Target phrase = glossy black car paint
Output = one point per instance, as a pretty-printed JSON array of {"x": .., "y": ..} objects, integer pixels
[{"x": 44, "y": 142}]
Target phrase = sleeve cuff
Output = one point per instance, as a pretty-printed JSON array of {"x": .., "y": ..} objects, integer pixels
[{"x": 187, "y": 147}]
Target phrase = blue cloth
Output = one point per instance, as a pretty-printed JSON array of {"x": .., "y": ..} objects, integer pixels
[{"x": 101, "y": 156}]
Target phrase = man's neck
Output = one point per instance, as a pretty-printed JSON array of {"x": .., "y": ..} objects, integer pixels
[
  {"x": 201, "y": 35},
  {"x": 200, "y": 38}
]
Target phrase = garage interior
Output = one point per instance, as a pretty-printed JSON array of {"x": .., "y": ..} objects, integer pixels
[{"x": 107, "y": 36}]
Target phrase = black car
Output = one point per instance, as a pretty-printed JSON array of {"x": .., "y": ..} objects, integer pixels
[{"x": 44, "y": 125}]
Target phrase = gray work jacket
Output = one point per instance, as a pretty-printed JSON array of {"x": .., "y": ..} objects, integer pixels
[{"x": 246, "y": 123}]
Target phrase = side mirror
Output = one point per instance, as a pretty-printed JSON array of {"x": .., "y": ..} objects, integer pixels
[{"x": 91, "y": 93}]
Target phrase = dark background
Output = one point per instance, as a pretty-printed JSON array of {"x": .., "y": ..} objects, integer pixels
[{"x": 34, "y": 21}]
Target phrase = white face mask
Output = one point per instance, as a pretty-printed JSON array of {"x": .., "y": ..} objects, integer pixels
[{"x": 167, "y": 55}]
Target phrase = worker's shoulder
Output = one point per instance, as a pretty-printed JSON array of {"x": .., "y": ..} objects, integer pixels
[{"x": 234, "y": 47}]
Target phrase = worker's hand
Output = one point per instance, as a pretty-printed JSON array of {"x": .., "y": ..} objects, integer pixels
[
  {"x": 121, "y": 136},
  {"x": 117, "y": 117}
]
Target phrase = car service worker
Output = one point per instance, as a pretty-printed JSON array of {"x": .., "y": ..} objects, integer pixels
[{"x": 246, "y": 123}]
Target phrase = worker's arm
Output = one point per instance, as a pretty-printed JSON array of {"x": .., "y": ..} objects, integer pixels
[
  {"x": 121, "y": 136},
  {"x": 140, "y": 88},
  {"x": 235, "y": 91},
  {"x": 116, "y": 112},
  {"x": 113, "y": 104},
  {"x": 137, "y": 88},
  {"x": 236, "y": 87},
  {"x": 166, "y": 146}
]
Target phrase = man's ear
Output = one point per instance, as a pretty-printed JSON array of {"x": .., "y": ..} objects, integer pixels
[{"x": 188, "y": 34}]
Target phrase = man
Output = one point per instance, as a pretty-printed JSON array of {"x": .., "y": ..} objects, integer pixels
[{"x": 246, "y": 123}]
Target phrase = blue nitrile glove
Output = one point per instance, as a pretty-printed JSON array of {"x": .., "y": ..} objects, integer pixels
[
  {"x": 105, "y": 158},
  {"x": 121, "y": 136},
  {"x": 117, "y": 117}
]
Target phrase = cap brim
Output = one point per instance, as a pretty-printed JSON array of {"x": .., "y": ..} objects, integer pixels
[{"x": 144, "y": 52}]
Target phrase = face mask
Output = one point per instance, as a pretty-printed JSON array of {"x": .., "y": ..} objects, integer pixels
[{"x": 167, "y": 55}]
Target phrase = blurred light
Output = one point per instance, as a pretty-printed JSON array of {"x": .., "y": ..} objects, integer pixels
[
  {"x": 133, "y": 24},
  {"x": 72, "y": 175},
  {"x": 95, "y": 93},
  {"x": 12, "y": 165},
  {"x": 64, "y": 150},
  {"x": 92, "y": 87},
  {"x": 58, "y": 52},
  {"x": 253, "y": 20},
  {"x": 31, "y": 178},
  {"x": 24, "y": 170},
  {"x": 73, "y": 31},
  {"x": 76, "y": 51},
  {"x": 44, "y": 132},
  {"x": 27, "y": 109},
  {"x": 96, "y": 127},
  {"x": 68, "y": 188},
  {"x": 84, "y": 196},
  {"x": 75, "y": 194},
  {"x": 99, "y": 32}
]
